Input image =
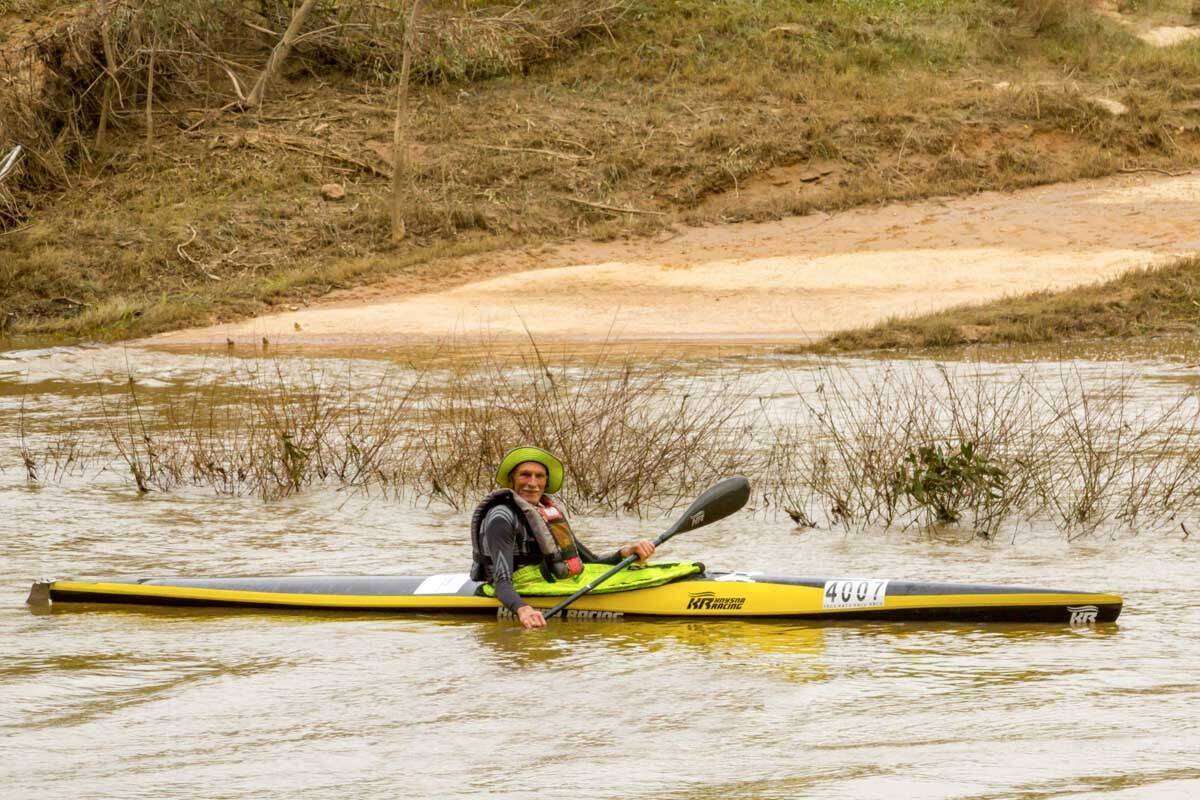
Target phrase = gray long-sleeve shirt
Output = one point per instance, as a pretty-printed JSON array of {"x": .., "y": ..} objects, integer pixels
[{"x": 508, "y": 547}]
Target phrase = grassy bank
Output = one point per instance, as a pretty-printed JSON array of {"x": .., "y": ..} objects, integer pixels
[
  {"x": 1145, "y": 302},
  {"x": 683, "y": 110}
]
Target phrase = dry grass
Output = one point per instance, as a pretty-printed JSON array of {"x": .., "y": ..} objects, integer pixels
[
  {"x": 1150, "y": 302},
  {"x": 662, "y": 106},
  {"x": 51, "y": 96},
  {"x": 1039, "y": 16}
]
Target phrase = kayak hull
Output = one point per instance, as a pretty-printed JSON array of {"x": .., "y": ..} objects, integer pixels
[{"x": 710, "y": 595}]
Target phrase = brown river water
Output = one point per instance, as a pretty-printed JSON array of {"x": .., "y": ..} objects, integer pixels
[{"x": 194, "y": 703}]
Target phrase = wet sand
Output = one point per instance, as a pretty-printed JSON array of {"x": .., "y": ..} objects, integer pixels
[{"x": 785, "y": 281}]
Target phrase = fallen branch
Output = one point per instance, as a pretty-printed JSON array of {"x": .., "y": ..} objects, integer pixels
[
  {"x": 11, "y": 231},
  {"x": 10, "y": 161},
  {"x": 615, "y": 209},
  {"x": 302, "y": 146},
  {"x": 1128, "y": 170},
  {"x": 179, "y": 249},
  {"x": 554, "y": 153}
]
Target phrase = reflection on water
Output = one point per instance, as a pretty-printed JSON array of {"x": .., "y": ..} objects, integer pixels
[{"x": 103, "y": 702}]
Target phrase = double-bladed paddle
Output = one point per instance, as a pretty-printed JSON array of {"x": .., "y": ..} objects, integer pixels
[{"x": 716, "y": 503}]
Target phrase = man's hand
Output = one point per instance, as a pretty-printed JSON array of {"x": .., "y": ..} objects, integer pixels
[
  {"x": 644, "y": 548},
  {"x": 530, "y": 617}
]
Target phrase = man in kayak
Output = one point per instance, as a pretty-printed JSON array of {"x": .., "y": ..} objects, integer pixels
[{"x": 522, "y": 524}]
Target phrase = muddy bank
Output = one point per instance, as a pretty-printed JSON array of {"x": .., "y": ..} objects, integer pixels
[{"x": 785, "y": 281}]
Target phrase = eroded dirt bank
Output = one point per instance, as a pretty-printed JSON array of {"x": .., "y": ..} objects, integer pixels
[{"x": 784, "y": 281}]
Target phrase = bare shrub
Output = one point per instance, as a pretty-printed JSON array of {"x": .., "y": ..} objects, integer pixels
[
  {"x": 633, "y": 436},
  {"x": 899, "y": 445},
  {"x": 1082, "y": 452},
  {"x": 260, "y": 429}
]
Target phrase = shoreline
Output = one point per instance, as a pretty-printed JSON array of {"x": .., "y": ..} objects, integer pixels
[{"x": 784, "y": 282}]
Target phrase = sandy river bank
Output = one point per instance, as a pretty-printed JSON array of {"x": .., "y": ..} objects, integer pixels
[{"x": 784, "y": 281}]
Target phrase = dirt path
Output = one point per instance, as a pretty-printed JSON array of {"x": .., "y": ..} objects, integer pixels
[{"x": 789, "y": 280}]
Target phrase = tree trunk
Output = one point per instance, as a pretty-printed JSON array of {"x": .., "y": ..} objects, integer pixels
[
  {"x": 401, "y": 177},
  {"x": 278, "y": 56},
  {"x": 110, "y": 68},
  {"x": 150, "y": 101}
]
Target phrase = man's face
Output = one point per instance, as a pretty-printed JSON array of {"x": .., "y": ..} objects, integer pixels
[{"x": 529, "y": 481}]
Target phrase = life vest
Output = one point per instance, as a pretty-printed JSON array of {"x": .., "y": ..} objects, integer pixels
[{"x": 548, "y": 526}]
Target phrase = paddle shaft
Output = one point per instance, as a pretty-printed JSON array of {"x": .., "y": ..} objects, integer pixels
[
  {"x": 625, "y": 562},
  {"x": 717, "y": 503}
]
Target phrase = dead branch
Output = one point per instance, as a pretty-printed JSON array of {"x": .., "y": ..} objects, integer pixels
[
  {"x": 1129, "y": 170},
  {"x": 614, "y": 209},
  {"x": 10, "y": 162},
  {"x": 300, "y": 145},
  {"x": 183, "y": 253},
  {"x": 553, "y": 153},
  {"x": 278, "y": 56}
]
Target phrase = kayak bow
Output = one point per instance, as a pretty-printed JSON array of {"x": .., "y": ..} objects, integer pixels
[{"x": 720, "y": 595}]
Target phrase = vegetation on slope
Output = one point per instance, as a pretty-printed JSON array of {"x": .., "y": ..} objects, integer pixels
[
  {"x": 663, "y": 110},
  {"x": 1146, "y": 302}
]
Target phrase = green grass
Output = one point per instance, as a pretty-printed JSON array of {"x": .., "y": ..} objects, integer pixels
[
  {"x": 1143, "y": 302},
  {"x": 683, "y": 102}
]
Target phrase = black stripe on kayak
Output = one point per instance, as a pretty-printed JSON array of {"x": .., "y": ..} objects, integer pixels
[
  {"x": 898, "y": 588},
  {"x": 60, "y": 596},
  {"x": 1105, "y": 612}
]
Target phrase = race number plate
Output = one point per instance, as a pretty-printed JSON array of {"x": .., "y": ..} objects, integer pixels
[{"x": 851, "y": 593}]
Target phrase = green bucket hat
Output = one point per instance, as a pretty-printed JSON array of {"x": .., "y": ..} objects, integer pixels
[{"x": 520, "y": 455}]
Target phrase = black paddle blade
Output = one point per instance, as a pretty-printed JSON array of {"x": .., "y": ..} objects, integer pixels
[{"x": 717, "y": 503}]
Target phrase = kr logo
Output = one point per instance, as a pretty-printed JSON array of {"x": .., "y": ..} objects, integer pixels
[{"x": 1082, "y": 615}]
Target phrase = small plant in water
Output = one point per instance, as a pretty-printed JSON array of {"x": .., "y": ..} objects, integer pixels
[{"x": 944, "y": 481}]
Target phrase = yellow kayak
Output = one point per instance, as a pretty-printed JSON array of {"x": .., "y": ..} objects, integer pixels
[{"x": 715, "y": 595}]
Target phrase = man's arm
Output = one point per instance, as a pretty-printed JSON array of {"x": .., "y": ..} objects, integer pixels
[
  {"x": 499, "y": 539},
  {"x": 643, "y": 548},
  {"x": 591, "y": 558}
]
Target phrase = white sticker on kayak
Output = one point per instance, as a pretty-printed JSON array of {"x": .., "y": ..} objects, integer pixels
[
  {"x": 737, "y": 577},
  {"x": 442, "y": 584},
  {"x": 854, "y": 593}
]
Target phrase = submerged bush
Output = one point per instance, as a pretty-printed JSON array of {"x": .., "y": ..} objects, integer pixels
[
  {"x": 905, "y": 447},
  {"x": 890, "y": 446},
  {"x": 945, "y": 481},
  {"x": 633, "y": 436}
]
